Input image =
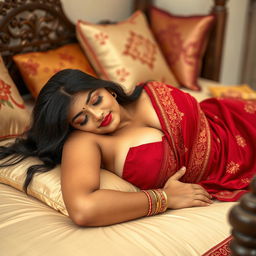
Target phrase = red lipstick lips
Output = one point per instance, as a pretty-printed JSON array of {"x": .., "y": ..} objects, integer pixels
[{"x": 106, "y": 121}]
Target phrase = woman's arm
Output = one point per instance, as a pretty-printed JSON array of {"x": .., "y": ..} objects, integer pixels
[{"x": 88, "y": 205}]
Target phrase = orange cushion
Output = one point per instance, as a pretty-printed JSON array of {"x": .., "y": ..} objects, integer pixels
[
  {"x": 243, "y": 91},
  {"x": 14, "y": 117},
  {"x": 183, "y": 41},
  {"x": 37, "y": 67},
  {"x": 125, "y": 52}
]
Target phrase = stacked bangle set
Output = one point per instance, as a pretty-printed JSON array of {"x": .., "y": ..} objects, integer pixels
[{"x": 157, "y": 200}]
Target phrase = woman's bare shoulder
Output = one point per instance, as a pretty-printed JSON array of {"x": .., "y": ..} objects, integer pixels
[
  {"x": 79, "y": 142},
  {"x": 81, "y": 149},
  {"x": 81, "y": 137}
]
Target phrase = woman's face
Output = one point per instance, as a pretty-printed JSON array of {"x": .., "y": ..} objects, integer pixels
[{"x": 95, "y": 111}]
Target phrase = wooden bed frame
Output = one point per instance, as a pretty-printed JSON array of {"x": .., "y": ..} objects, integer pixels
[{"x": 39, "y": 25}]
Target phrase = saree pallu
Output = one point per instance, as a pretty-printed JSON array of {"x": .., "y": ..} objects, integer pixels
[{"x": 214, "y": 139}]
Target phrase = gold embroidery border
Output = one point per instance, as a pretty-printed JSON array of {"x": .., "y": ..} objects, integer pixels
[
  {"x": 230, "y": 195},
  {"x": 223, "y": 248},
  {"x": 201, "y": 150},
  {"x": 171, "y": 157}
]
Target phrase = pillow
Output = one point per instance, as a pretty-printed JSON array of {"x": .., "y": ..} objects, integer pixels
[
  {"x": 183, "y": 41},
  {"x": 237, "y": 91},
  {"x": 125, "y": 52},
  {"x": 37, "y": 67},
  {"x": 46, "y": 187},
  {"x": 14, "y": 117}
]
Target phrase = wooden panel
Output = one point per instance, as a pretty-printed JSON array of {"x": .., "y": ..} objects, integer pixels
[{"x": 213, "y": 55}]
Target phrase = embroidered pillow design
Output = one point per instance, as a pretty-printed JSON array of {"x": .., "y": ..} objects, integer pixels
[
  {"x": 183, "y": 41},
  {"x": 37, "y": 67},
  {"x": 126, "y": 52},
  {"x": 13, "y": 113}
]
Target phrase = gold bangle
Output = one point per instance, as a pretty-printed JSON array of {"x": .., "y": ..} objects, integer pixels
[
  {"x": 149, "y": 202},
  {"x": 155, "y": 202},
  {"x": 164, "y": 200},
  {"x": 158, "y": 204}
]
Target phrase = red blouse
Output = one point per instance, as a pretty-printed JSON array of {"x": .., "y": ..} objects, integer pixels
[{"x": 143, "y": 164}]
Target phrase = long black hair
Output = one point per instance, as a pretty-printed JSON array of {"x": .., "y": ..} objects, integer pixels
[{"x": 50, "y": 128}]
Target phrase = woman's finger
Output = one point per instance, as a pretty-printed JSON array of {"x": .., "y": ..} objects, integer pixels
[
  {"x": 202, "y": 192},
  {"x": 203, "y": 198},
  {"x": 200, "y": 188},
  {"x": 200, "y": 203},
  {"x": 178, "y": 174}
]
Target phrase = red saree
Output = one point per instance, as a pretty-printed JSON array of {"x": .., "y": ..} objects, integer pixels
[{"x": 214, "y": 139}]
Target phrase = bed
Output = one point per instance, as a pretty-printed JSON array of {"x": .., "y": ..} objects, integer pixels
[{"x": 38, "y": 223}]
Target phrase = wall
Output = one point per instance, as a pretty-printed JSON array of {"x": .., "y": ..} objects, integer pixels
[
  {"x": 234, "y": 45},
  {"x": 95, "y": 10}
]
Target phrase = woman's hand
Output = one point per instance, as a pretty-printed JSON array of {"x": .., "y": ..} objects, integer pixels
[{"x": 182, "y": 195}]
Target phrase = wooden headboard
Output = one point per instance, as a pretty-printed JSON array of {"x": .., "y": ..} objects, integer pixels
[{"x": 37, "y": 25}]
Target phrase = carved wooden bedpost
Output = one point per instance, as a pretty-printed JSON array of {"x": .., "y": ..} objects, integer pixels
[
  {"x": 213, "y": 56},
  {"x": 143, "y": 5},
  {"x": 243, "y": 220}
]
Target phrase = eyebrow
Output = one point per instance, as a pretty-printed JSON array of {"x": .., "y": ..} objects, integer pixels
[{"x": 87, "y": 101}]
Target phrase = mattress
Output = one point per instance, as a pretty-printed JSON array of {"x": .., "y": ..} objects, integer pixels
[{"x": 29, "y": 227}]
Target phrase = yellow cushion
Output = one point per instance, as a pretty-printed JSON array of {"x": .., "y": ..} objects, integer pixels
[
  {"x": 37, "y": 67},
  {"x": 14, "y": 117},
  {"x": 126, "y": 52},
  {"x": 183, "y": 40},
  {"x": 46, "y": 186},
  {"x": 237, "y": 91}
]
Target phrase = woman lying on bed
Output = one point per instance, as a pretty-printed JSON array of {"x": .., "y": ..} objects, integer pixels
[{"x": 146, "y": 138}]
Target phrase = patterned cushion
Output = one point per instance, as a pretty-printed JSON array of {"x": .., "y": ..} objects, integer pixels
[
  {"x": 14, "y": 117},
  {"x": 183, "y": 41},
  {"x": 243, "y": 91},
  {"x": 126, "y": 52},
  {"x": 37, "y": 67}
]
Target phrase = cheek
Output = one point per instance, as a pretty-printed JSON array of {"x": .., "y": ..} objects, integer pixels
[
  {"x": 109, "y": 102},
  {"x": 114, "y": 105}
]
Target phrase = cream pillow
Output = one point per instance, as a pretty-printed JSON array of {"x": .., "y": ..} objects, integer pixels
[
  {"x": 126, "y": 52},
  {"x": 14, "y": 117},
  {"x": 46, "y": 186}
]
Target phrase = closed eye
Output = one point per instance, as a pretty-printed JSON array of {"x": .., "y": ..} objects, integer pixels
[
  {"x": 85, "y": 121},
  {"x": 98, "y": 101}
]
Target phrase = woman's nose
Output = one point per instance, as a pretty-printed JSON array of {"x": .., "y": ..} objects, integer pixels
[{"x": 96, "y": 114}]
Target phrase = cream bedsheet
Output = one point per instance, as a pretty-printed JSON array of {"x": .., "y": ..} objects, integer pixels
[{"x": 30, "y": 228}]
